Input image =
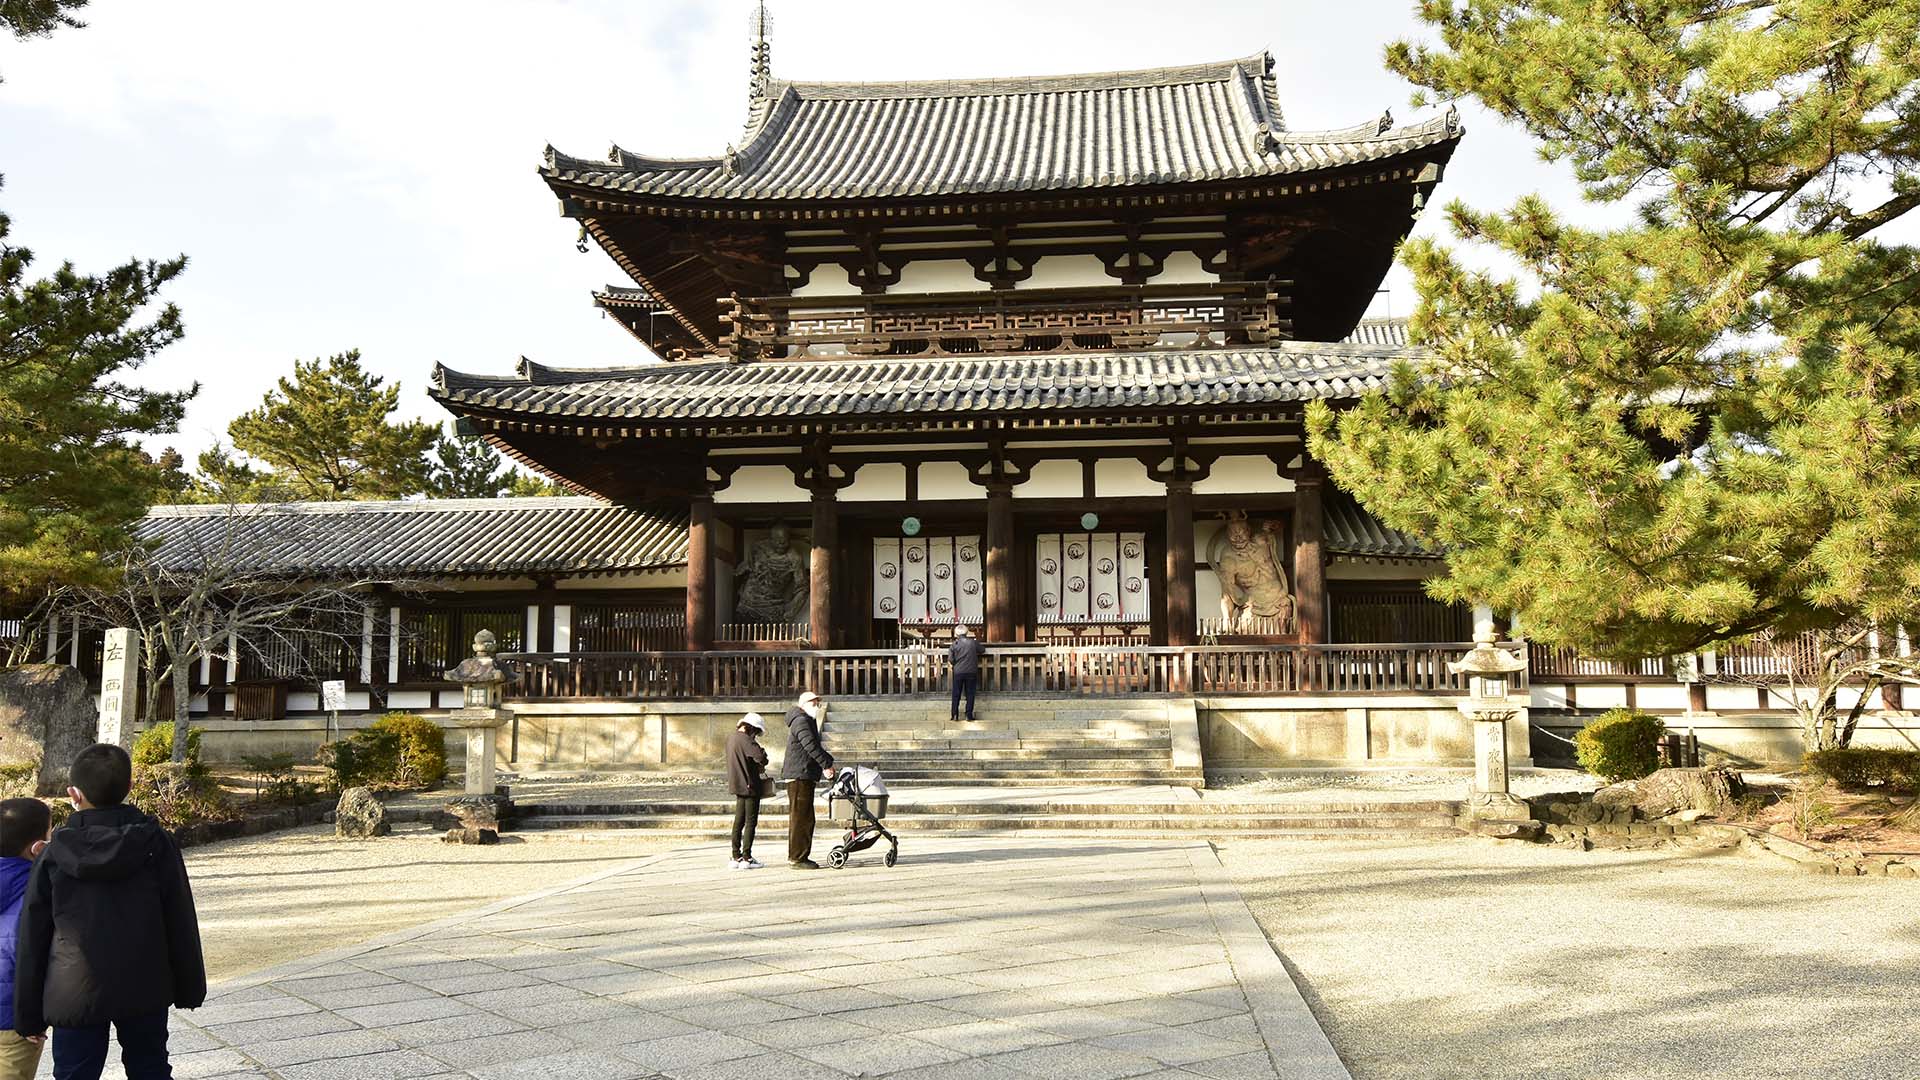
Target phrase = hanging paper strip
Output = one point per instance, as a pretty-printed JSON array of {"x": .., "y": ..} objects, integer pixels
[
  {"x": 913, "y": 599},
  {"x": 940, "y": 584},
  {"x": 1103, "y": 577},
  {"x": 1076, "y": 568},
  {"x": 1047, "y": 578},
  {"x": 886, "y": 578},
  {"x": 970, "y": 578},
  {"x": 1135, "y": 605}
]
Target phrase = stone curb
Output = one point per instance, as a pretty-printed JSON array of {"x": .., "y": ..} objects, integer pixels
[
  {"x": 1298, "y": 1046},
  {"x": 1812, "y": 860},
  {"x": 400, "y": 937}
]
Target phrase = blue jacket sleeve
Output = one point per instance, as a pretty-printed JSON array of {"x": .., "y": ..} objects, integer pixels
[{"x": 33, "y": 946}]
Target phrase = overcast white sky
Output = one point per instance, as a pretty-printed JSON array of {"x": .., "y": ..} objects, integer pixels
[{"x": 361, "y": 173}]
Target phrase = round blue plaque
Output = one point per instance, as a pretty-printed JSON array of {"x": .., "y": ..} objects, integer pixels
[
  {"x": 1089, "y": 521},
  {"x": 910, "y": 526}
]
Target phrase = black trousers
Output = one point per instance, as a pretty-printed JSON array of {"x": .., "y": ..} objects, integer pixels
[
  {"x": 799, "y": 820},
  {"x": 968, "y": 684},
  {"x": 746, "y": 818},
  {"x": 81, "y": 1053}
]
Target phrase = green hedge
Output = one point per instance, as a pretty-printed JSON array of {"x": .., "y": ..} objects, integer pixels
[
  {"x": 1863, "y": 768},
  {"x": 1620, "y": 745},
  {"x": 154, "y": 746},
  {"x": 399, "y": 750}
]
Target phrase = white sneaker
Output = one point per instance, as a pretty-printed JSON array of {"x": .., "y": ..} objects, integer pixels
[
  {"x": 755, "y": 864},
  {"x": 736, "y": 864}
]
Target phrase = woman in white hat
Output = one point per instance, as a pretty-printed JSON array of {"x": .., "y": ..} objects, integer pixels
[{"x": 746, "y": 767}]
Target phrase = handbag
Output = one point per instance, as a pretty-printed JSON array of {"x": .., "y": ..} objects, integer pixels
[{"x": 765, "y": 787}]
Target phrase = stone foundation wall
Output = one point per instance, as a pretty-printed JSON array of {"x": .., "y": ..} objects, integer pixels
[
  {"x": 228, "y": 742},
  {"x": 1293, "y": 732},
  {"x": 1757, "y": 739}
]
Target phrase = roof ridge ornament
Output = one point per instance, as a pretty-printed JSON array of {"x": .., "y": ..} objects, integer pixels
[
  {"x": 759, "y": 26},
  {"x": 1386, "y": 122}
]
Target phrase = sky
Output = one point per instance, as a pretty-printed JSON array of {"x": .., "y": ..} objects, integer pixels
[{"x": 363, "y": 174}]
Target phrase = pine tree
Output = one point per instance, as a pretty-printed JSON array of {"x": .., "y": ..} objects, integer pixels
[
  {"x": 1703, "y": 425},
  {"x": 326, "y": 434},
  {"x": 467, "y": 469},
  {"x": 71, "y": 477}
]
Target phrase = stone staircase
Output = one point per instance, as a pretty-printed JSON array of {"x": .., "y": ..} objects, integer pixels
[
  {"x": 1118, "y": 816},
  {"x": 1013, "y": 741}
]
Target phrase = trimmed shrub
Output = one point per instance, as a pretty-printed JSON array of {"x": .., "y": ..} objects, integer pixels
[
  {"x": 178, "y": 795},
  {"x": 154, "y": 746},
  {"x": 277, "y": 779},
  {"x": 399, "y": 750},
  {"x": 20, "y": 781},
  {"x": 1868, "y": 769},
  {"x": 1620, "y": 745},
  {"x": 420, "y": 755}
]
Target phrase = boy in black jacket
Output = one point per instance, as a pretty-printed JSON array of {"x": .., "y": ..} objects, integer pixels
[{"x": 107, "y": 934}]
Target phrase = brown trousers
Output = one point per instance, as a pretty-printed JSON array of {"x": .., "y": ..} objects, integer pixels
[{"x": 799, "y": 820}]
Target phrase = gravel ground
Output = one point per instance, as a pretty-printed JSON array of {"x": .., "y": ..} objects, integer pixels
[
  {"x": 1471, "y": 958},
  {"x": 268, "y": 899}
]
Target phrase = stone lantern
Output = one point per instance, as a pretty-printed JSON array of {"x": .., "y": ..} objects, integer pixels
[
  {"x": 1489, "y": 706},
  {"x": 481, "y": 679}
]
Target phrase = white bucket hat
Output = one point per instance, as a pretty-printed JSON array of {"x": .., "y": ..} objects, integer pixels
[
  {"x": 754, "y": 721},
  {"x": 809, "y": 696}
]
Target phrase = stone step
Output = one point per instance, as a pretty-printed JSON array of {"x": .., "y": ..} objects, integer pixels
[
  {"x": 880, "y": 759},
  {"x": 903, "y": 805},
  {"x": 1140, "y": 824},
  {"x": 1038, "y": 725},
  {"x": 846, "y": 747}
]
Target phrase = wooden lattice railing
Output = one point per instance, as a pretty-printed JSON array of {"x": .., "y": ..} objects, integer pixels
[
  {"x": 1096, "y": 671},
  {"x": 1013, "y": 321}
]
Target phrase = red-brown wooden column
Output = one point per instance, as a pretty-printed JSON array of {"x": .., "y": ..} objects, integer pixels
[
  {"x": 1182, "y": 628},
  {"x": 700, "y": 574},
  {"x": 1309, "y": 555},
  {"x": 826, "y": 528},
  {"x": 1000, "y": 562}
]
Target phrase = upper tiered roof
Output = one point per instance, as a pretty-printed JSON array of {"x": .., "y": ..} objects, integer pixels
[{"x": 847, "y": 140}]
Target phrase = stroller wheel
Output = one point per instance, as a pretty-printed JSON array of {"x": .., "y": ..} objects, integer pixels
[
  {"x": 837, "y": 858},
  {"x": 893, "y": 856}
]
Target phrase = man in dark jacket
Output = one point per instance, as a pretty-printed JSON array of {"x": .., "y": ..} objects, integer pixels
[
  {"x": 806, "y": 763},
  {"x": 746, "y": 764},
  {"x": 108, "y": 933},
  {"x": 965, "y": 658}
]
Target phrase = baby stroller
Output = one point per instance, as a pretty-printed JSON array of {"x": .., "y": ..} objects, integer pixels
[{"x": 865, "y": 796}]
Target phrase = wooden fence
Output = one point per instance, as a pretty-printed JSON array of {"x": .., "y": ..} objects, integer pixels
[{"x": 1087, "y": 670}]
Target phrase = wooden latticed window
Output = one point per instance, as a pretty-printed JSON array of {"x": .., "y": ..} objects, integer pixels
[
  {"x": 1404, "y": 614},
  {"x": 629, "y": 628},
  {"x": 432, "y": 641}
]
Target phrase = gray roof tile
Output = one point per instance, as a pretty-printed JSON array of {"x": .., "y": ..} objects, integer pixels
[
  {"x": 912, "y": 139},
  {"x": 819, "y": 389},
  {"x": 430, "y": 538}
]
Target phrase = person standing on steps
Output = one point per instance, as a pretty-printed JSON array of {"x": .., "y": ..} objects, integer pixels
[
  {"x": 806, "y": 764},
  {"x": 965, "y": 658},
  {"x": 746, "y": 769}
]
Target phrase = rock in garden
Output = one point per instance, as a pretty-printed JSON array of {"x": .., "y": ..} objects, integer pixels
[
  {"x": 471, "y": 836},
  {"x": 1616, "y": 796},
  {"x": 478, "y": 811},
  {"x": 46, "y": 717},
  {"x": 1669, "y": 791},
  {"x": 360, "y": 815}
]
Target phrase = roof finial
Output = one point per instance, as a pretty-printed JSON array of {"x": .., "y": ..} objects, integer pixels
[{"x": 759, "y": 27}]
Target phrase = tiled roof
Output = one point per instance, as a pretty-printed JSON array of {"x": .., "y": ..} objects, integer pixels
[
  {"x": 864, "y": 140},
  {"x": 1290, "y": 371},
  {"x": 1390, "y": 332},
  {"x": 1351, "y": 530},
  {"x": 626, "y": 297},
  {"x": 431, "y": 538}
]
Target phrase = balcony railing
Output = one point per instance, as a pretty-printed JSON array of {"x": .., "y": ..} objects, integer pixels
[
  {"x": 1084, "y": 670},
  {"x": 1014, "y": 321}
]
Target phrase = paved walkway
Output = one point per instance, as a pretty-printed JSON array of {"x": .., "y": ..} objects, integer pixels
[{"x": 970, "y": 960}]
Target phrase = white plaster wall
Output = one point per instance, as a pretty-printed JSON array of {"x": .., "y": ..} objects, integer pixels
[
  {"x": 761, "y": 484},
  {"x": 1243, "y": 475},
  {"x": 1116, "y": 478},
  {"x": 302, "y": 702},
  {"x": 1068, "y": 272},
  {"x": 1547, "y": 696},
  {"x": 938, "y": 275},
  {"x": 828, "y": 279},
  {"x": 1731, "y": 698},
  {"x": 1661, "y": 697},
  {"x": 1366, "y": 571},
  {"x": 884, "y": 482},
  {"x": 562, "y": 628},
  {"x": 410, "y": 699},
  {"x": 1601, "y": 696},
  {"x": 1052, "y": 480},
  {"x": 947, "y": 480},
  {"x": 1182, "y": 268}
]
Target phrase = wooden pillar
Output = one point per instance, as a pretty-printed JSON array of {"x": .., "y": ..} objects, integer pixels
[
  {"x": 826, "y": 521},
  {"x": 700, "y": 574},
  {"x": 1000, "y": 620},
  {"x": 1182, "y": 629},
  {"x": 547, "y": 597},
  {"x": 1309, "y": 555}
]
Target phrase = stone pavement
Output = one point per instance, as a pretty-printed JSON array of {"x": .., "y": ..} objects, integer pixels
[{"x": 973, "y": 959}]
